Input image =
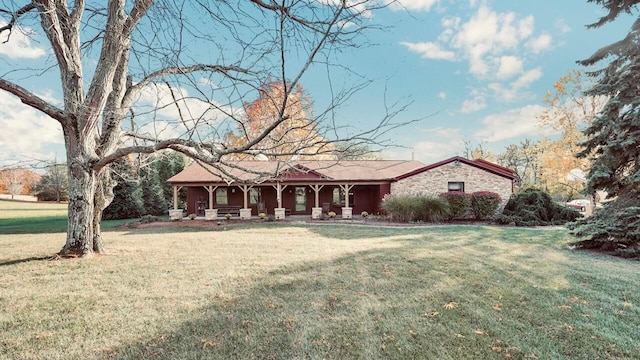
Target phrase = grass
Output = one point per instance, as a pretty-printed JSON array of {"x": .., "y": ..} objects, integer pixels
[
  {"x": 281, "y": 291},
  {"x": 23, "y": 217}
]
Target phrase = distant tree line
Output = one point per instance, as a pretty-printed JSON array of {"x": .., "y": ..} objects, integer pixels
[{"x": 142, "y": 187}]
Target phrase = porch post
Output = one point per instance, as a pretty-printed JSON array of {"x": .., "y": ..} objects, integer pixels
[
  {"x": 316, "y": 188},
  {"x": 279, "y": 189},
  {"x": 245, "y": 190},
  {"x": 175, "y": 214},
  {"x": 175, "y": 196},
  {"x": 211, "y": 189},
  {"x": 211, "y": 213},
  {"x": 347, "y": 211},
  {"x": 346, "y": 188},
  {"x": 316, "y": 211},
  {"x": 279, "y": 211}
]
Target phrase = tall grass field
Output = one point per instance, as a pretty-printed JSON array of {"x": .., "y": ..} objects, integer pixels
[{"x": 301, "y": 291}]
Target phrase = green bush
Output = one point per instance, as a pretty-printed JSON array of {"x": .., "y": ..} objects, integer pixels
[
  {"x": 614, "y": 227},
  {"x": 535, "y": 207},
  {"x": 459, "y": 203},
  {"x": 409, "y": 208},
  {"x": 484, "y": 204}
]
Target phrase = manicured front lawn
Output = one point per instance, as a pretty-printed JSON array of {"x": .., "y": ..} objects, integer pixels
[{"x": 338, "y": 292}]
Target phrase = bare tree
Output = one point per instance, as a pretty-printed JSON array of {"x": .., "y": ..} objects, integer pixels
[
  {"x": 147, "y": 75},
  {"x": 523, "y": 159},
  {"x": 54, "y": 184}
]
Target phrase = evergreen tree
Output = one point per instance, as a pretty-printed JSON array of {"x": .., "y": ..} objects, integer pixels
[
  {"x": 127, "y": 202},
  {"x": 169, "y": 164},
  {"x": 613, "y": 137},
  {"x": 153, "y": 200}
]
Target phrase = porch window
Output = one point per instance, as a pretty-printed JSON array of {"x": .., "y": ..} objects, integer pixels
[
  {"x": 255, "y": 196},
  {"x": 456, "y": 186},
  {"x": 338, "y": 197},
  {"x": 221, "y": 196}
]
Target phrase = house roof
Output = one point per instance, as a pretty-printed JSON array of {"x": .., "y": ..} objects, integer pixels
[
  {"x": 264, "y": 171},
  {"x": 478, "y": 163}
]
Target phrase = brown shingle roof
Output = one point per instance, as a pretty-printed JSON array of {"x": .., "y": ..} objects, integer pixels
[{"x": 363, "y": 170}]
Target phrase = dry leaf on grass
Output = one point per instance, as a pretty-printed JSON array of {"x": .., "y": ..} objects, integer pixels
[
  {"x": 209, "y": 344},
  {"x": 450, "y": 306}
]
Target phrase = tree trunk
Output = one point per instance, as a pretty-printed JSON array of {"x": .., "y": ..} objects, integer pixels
[
  {"x": 103, "y": 197},
  {"x": 80, "y": 231}
]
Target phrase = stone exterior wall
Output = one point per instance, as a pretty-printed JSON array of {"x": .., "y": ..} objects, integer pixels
[{"x": 435, "y": 181}]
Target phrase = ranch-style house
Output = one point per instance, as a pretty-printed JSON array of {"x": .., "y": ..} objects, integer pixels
[{"x": 317, "y": 187}]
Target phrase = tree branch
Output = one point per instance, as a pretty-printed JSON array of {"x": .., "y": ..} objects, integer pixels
[
  {"x": 29, "y": 98},
  {"x": 14, "y": 17}
]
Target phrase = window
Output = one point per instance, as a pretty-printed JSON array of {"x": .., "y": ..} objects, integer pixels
[
  {"x": 456, "y": 186},
  {"x": 338, "y": 197},
  {"x": 255, "y": 196},
  {"x": 221, "y": 197}
]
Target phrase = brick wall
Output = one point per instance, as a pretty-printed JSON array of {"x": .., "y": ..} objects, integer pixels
[{"x": 435, "y": 181}]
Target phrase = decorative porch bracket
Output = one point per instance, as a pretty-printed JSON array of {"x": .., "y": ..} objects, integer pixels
[
  {"x": 346, "y": 188},
  {"x": 279, "y": 189},
  {"x": 245, "y": 189}
]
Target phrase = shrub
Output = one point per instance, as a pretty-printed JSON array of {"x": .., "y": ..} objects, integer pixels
[
  {"x": 484, "y": 204},
  {"x": 535, "y": 207},
  {"x": 614, "y": 227},
  {"x": 432, "y": 209},
  {"x": 459, "y": 203},
  {"x": 407, "y": 208}
]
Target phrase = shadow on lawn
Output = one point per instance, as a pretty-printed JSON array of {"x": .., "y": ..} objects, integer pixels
[
  {"x": 25, "y": 260},
  {"x": 405, "y": 302}
]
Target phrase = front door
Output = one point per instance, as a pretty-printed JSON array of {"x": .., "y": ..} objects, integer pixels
[{"x": 301, "y": 199}]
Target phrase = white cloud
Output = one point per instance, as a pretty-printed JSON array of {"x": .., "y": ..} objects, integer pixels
[
  {"x": 517, "y": 89},
  {"x": 160, "y": 117},
  {"x": 562, "y": 26},
  {"x": 442, "y": 95},
  {"x": 540, "y": 44},
  {"x": 19, "y": 45},
  {"x": 488, "y": 35},
  {"x": 490, "y": 41},
  {"x": 417, "y": 5},
  {"x": 510, "y": 124},
  {"x": 509, "y": 66},
  {"x": 528, "y": 78},
  {"x": 430, "y": 50},
  {"x": 476, "y": 103},
  {"x": 26, "y": 132}
]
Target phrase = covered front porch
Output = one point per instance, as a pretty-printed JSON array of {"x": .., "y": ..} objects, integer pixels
[{"x": 280, "y": 199}]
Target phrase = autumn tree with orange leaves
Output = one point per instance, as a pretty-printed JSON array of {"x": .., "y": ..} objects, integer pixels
[
  {"x": 297, "y": 137},
  {"x": 17, "y": 181},
  {"x": 569, "y": 112}
]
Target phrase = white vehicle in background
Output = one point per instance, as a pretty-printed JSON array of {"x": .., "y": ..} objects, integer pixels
[{"x": 579, "y": 204}]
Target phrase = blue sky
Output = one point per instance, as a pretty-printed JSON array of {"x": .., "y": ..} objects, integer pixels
[{"x": 476, "y": 71}]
